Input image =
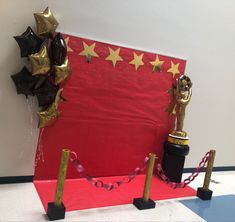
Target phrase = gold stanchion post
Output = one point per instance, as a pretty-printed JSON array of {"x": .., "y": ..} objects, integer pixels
[
  {"x": 148, "y": 178},
  {"x": 204, "y": 192},
  {"x": 56, "y": 209},
  {"x": 145, "y": 202}
]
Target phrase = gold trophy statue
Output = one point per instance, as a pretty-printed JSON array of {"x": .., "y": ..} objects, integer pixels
[
  {"x": 176, "y": 147},
  {"x": 182, "y": 97}
]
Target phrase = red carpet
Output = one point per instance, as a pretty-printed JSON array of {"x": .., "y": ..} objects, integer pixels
[{"x": 80, "y": 194}]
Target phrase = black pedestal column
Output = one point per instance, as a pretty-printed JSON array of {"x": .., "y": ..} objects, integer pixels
[{"x": 175, "y": 150}]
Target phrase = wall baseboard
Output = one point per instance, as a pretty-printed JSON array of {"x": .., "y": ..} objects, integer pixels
[
  {"x": 27, "y": 179},
  {"x": 16, "y": 179},
  {"x": 222, "y": 168}
]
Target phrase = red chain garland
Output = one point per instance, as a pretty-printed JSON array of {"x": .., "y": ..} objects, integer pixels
[
  {"x": 99, "y": 183},
  {"x": 188, "y": 180},
  {"x": 114, "y": 185}
]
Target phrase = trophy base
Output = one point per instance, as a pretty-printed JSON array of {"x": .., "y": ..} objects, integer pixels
[
  {"x": 204, "y": 194},
  {"x": 142, "y": 205},
  {"x": 176, "y": 139},
  {"x": 180, "y": 134},
  {"x": 175, "y": 150}
]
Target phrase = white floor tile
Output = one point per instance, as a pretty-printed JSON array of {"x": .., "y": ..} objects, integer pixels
[
  {"x": 20, "y": 202},
  {"x": 164, "y": 211},
  {"x": 225, "y": 186}
]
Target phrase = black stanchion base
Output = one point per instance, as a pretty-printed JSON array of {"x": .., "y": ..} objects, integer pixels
[
  {"x": 204, "y": 194},
  {"x": 142, "y": 205},
  {"x": 55, "y": 212},
  {"x": 173, "y": 160}
]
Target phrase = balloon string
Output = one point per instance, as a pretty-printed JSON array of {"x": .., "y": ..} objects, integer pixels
[
  {"x": 40, "y": 154},
  {"x": 29, "y": 138},
  {"x": 31, "y": 103}
]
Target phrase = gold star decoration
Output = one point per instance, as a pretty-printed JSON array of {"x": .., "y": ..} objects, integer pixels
[
  {"x": 137, "y": 61},
  {"x": 40, "y": 62},
  {"x": 114, "y": 56},
  {"x": 67, "y": 43},
  {"x": 174, "y": 69},
  {"x": 62, "y": 72},
  {"x": 46, "y": 22},
  {"x": 49, "y": 116},
  {"x": 157, "y": 64},
  {"x": 88, "y": 51}
]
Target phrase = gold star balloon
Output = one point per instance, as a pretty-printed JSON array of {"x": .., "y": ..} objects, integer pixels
[
  {"x": 62, "y": 72},
  {"x": 137, "y": 61},
  {"x": 114, "y": 56},
  {"x": 46, "y": 23},
  {"x": 89, "y": 51},
  {"x": 40, "y": 62},
  {"x": 58, "y": 98},
  {"x": 49, "y": 116},
  {"x": 174, "y": 69}
]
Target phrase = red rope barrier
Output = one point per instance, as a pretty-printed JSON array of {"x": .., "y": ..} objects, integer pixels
[
  {"x": 188, "y": 180},
  {"x": 99, "y": 183}
]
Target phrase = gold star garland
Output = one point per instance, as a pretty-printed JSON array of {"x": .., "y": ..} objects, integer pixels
[{"x": 114, "y": 56}]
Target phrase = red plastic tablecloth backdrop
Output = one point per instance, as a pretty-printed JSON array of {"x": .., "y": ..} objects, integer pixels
[{"x": 113, "y": 116}]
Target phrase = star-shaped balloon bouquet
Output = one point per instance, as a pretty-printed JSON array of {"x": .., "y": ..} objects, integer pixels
[{"x": 50, "y": 67}]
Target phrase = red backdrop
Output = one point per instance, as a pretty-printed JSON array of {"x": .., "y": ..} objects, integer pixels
[{"x": 113, "y": 116}]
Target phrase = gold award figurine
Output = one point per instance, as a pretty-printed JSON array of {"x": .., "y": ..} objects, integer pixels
[{"x": 182, "y": 97}]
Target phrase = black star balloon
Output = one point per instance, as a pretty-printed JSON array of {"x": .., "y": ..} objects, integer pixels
[
  {"x": 58, "y": 49},
  {"x": 28, "y": 42},
  {"x": 41, "y": 81},
  {"x": 46, "y": 93},
  {"x": 24, "y": 82}
]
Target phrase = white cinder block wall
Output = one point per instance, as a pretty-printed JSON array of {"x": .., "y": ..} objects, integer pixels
[{"x": 201, "y": 31}]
